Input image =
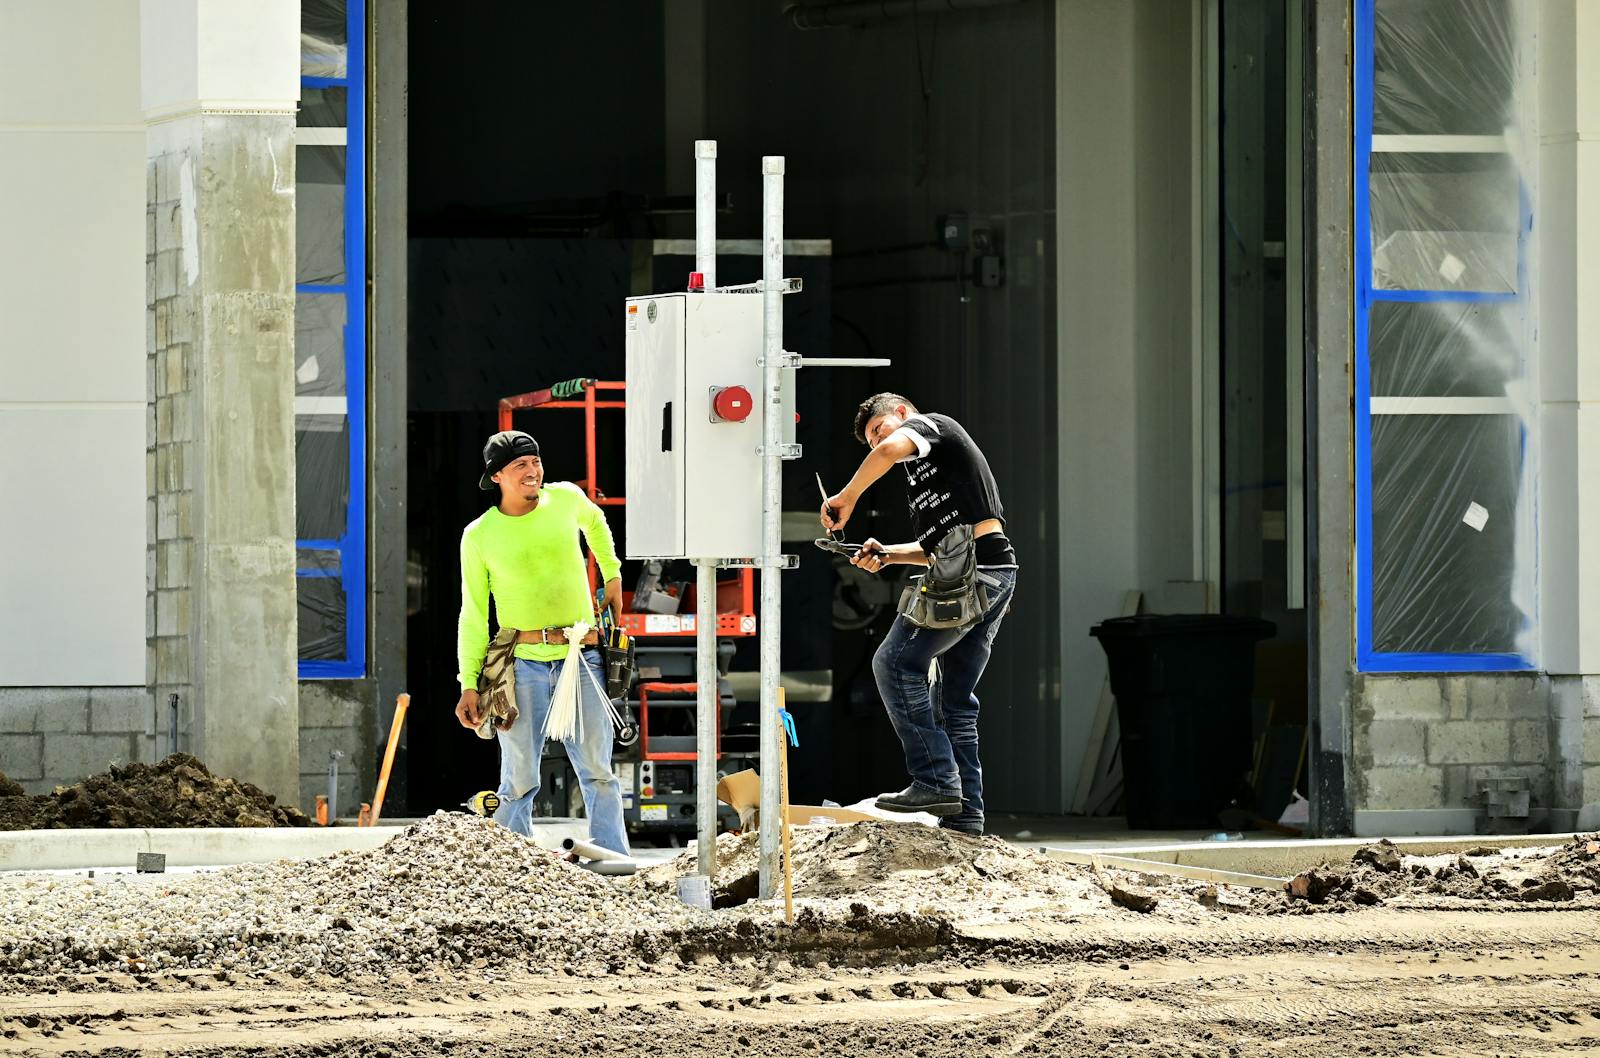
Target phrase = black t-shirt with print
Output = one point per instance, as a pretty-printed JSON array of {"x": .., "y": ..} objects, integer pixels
[{"x": 949, "y": 483}]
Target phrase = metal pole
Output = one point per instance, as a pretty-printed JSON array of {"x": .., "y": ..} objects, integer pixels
[
  {"x": 707, "y": 701},
  {"x": 707, "y": 704},
  {"x": 705, "y": 211},
  {"x": 771, "y": 513}
]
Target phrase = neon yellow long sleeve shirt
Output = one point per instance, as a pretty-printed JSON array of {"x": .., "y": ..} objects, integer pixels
[{"x": 533, "y": 567}]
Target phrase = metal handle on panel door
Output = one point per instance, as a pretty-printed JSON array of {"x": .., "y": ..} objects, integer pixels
[{"x": 666, "y": 427}]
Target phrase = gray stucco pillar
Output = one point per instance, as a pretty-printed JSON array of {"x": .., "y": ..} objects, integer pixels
[{"x": 220, "y": 85}]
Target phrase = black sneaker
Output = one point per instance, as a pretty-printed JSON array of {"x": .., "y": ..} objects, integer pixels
[{"x": 915, "y": 799}]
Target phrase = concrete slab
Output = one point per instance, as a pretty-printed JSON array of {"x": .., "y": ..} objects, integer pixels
[{"x": 55, "y": 850}]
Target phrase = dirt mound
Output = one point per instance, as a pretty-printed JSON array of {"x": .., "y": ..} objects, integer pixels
[
  {"x": 894, "y": 867},
  {"x": 10, "y": 788},
  {"x": 1381, "y": 872},
  {"x": 178, "y": 792}
]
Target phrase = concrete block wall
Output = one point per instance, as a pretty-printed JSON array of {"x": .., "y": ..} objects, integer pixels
[
  {"x": 171, "y": 441},
  {"x": 1423, "y": 747},
  {"x": 338, "y": 715},
  {"x": 56, "y": 736}
]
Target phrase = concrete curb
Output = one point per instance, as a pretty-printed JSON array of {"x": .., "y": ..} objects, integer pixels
[
  {"x": 67, "y": 850},
  {"x": 1283, "y": 859}
]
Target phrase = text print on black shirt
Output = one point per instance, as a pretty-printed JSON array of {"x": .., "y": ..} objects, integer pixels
[{"x": 950, "y": 484}]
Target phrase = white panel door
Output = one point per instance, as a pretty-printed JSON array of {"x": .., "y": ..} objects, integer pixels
[{"x": 655, "y": 418}]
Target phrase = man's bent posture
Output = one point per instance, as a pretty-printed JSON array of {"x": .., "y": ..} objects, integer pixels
[{"x": 949, "y": 485}]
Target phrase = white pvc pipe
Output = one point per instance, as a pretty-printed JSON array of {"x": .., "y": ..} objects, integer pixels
[
  {"x": 589, "y": 850},
  {"x": 612, "y": 867},
  {"x": 771, "y": 515},
  {"x": 705, "y": 211},
  {"x": 707, "y": 701},
  {"x": 843, "y": 361}
]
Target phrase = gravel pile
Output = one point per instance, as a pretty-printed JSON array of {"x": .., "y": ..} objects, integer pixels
[
  {"x": 453, "y": 891},
  {"x": 900, "y": 868},
  {"x": 178, "y": 792}
]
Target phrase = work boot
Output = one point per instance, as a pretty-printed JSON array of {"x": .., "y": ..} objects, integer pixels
[{"x": 915, "y": 799}]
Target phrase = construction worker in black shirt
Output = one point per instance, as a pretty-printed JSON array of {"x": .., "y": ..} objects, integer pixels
[{"x": 949, "y": 485}]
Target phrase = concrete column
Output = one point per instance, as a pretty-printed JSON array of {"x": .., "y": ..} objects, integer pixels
[
  {"x": 220, "y": 82},
  {"x": 1330, "y": 499},
  {"x": 1568, "y": 289}
]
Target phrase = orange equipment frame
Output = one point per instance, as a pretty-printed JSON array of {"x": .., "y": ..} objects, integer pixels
[
  {"x": 735, "y": 617},
  {"x": 644, "y": 721}
]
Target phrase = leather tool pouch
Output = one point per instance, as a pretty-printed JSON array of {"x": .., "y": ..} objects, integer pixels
[{"x": 954, "y": 593}]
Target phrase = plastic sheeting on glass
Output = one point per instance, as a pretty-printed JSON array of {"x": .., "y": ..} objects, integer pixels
[
  {"x": 319, "y": 215},
  {"x": 1445, "y": 222},
  {"x": 1445, "y": 348},
  {"x": 1445, "y": 586},
  {"x": 1445, "y": 66},
  {"x": 319, "y": 326},
  {"x": 324, "y": 40},
  {"x": 324, "y": 108},
  {"x": 322, "y": 481},
  {"x": 321, "y": 604}
]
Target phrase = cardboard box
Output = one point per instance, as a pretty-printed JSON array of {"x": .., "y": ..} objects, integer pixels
[{"x": 741, "y": 791}]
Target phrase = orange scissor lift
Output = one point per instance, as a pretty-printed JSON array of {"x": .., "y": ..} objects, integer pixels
[{"x": 736, "y": 613}]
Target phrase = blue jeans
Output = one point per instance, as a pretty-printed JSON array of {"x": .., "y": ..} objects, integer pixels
[
  {"x": 522, "y": 747},
  {"x": 938, "y": 722}
]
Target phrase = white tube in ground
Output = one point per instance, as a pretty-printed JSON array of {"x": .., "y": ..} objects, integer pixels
[
  {"x": 707, "y": 701},
  {"x": 590, "y": 851}
]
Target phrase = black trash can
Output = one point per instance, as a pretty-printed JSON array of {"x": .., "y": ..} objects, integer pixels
[{"x": 1182, "y": 684}]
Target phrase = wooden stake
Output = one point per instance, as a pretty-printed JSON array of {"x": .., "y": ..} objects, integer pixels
[
  {"x": 783, "y": 807},
  {"x": 401, "y": 703}
]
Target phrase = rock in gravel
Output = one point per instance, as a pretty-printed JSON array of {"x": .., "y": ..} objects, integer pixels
[
  {"x": 1315, "y": 885},
  {"x": 1554, "y": 889},
  {"x": 1132, "y": 897},
  {"x": 1383, "y": 856}
]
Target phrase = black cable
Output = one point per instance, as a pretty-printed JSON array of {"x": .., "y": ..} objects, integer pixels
[{"x": 922, "y": 85}]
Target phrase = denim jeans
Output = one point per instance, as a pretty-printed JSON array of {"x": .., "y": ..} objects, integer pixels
[
  {"x": 938, "y": 721},
  {"x": 522, "y": 748}
]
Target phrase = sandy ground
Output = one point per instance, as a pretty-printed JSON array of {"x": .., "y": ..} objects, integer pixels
[
  {"x": 914, "y": 946},
  {"x": 1380, "y": 982}
]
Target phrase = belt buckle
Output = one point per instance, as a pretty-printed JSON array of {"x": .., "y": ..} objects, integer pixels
[{"x": 544, "y": 637}]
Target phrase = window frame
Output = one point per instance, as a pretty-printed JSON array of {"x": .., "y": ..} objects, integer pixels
[
  {"x": 351, "y": 545},
  {"x": 1366, "y": 294}
]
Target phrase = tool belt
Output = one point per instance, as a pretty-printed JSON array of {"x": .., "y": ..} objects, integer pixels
[
  {"x": 954, "y": 593},
  {"x": 622, "y": 663},
  {"x": 497, "y": 683},
  {"x": 556, "y": 637}
]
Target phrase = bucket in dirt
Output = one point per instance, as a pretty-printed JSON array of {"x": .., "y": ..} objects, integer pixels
[{"x": 695, "y": 891}]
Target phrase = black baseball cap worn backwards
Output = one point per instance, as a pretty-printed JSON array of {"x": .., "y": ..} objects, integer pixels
[{"x": 503, "y": 449}]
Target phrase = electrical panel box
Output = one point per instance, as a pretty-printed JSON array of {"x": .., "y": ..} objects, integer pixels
[{"x": 695, "y": 423}]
